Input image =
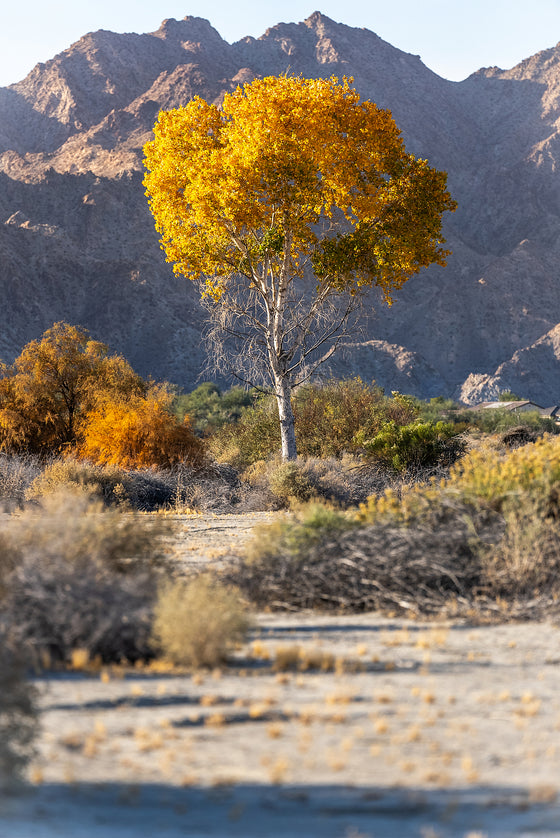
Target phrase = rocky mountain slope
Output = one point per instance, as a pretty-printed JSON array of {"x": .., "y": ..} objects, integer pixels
[{"x": 77, "y": 241}]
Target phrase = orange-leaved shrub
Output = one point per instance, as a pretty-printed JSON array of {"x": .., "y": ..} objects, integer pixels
[
  {"x": 139, "y": 432},
  {"x": 52, "y": 384}
]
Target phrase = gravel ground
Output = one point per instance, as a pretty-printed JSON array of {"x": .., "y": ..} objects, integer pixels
[{"x": 429, "y": 730}]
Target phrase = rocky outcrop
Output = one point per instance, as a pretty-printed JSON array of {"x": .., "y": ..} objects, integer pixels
[
  {"x": 390, "y": 366},
  {"x": 532, "y": 369},
  {"x": 77, "y": 241}
]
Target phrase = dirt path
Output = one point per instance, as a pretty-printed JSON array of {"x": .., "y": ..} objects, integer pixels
[
  {"x": 208, "y": 538},
  {"x": 425, "y": 730}
]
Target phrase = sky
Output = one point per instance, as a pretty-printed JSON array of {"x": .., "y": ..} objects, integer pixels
[{"x": 453, "y": 37}]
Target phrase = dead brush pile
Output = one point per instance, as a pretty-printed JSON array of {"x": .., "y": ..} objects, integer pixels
[
  {"x": 216, "y": 488},
  {"x": 482, "y": 543},
  {"x": 418, "y": 569}
]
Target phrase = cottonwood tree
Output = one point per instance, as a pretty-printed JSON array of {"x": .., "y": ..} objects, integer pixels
[{"x": 285, "y": 204}]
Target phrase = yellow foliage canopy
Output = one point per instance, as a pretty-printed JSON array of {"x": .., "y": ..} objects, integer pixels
[
  {"x": 292, "y": 177},
  {"x": 293, "y": 172}
]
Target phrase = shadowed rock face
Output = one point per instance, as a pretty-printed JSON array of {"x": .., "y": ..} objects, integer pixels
[{"x": 77, "y": 241}]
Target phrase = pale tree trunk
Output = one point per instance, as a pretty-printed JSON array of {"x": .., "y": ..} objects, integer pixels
[{"x": 286, "y": 414}]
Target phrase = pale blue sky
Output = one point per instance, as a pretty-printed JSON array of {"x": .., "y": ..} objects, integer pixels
[{"x": 453, "y": 37}]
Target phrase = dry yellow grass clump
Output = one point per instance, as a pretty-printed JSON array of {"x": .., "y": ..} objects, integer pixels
[{"x": 197, "y": 622}]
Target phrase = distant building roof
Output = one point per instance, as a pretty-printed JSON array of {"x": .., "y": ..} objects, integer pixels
[
  {"x": 546, "y": 412},
  {"x": 525, "y": 404}
]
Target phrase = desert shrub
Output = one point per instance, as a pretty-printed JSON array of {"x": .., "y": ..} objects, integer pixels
[
  {"x": 437, "y": 409},
  {"x": 18, "y": 714},
  {"x": 326, "y": 562},
  {"x": 209, "y": 409},
  {"x": 255, "y": 437},
  {"x": 289, "y": 481},
  {"x": 215, "y": 488},
  {"x": 486, "y": 535},
  {"x": 483, "y": 478},
  {"x": 525, "y": 563},
  {"x": 82, "y": 577},
  {"x": 144, "y": 489},
  {"x": 495, "y": 476},
  {"x": 10, "y": 557},
  {"x": 138, "y": 432},
  {"x": 328, "y": 416},
  {"x": 109, "y": 484},
  {"x": 74, "y": 525},
  {"x": 198, "y": 621},
  {"x": 414, "y": 447},
  {"x": 346, "y": 481},
  {"x": 518, "y": 435},
  {"x": 308, "y": 525},
  {"x": 59, "y": 607},
  {"x": 511, "y": 500},
  {"x": 17, "y": 472}
]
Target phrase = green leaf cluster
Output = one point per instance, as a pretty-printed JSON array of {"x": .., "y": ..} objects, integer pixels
[{"x": 417, "y": 445}]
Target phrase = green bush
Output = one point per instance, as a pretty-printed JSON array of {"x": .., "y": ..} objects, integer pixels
[
  {"x": 308, "y": 525},
  {"x": 329, "y": 415},
  {"x": 437, "y": 409},
  {"x": 197, "y": 622},
  {"x": 483, "y": 421},
  {"x": 414, "y": 447},
  {"x": 255, "y": 437},
  {"x": 209, "y": 409}
]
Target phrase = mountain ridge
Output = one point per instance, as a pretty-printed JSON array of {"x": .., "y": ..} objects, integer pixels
[{"x": 78, "y": 243}]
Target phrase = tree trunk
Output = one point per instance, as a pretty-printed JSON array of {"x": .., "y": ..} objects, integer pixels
[{"x": 286, "y": 414}]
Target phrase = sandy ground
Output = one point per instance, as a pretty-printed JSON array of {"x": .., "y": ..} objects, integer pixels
[
  {"x": 207, "y": 539},
  {"x": 430, "y": 730}
]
